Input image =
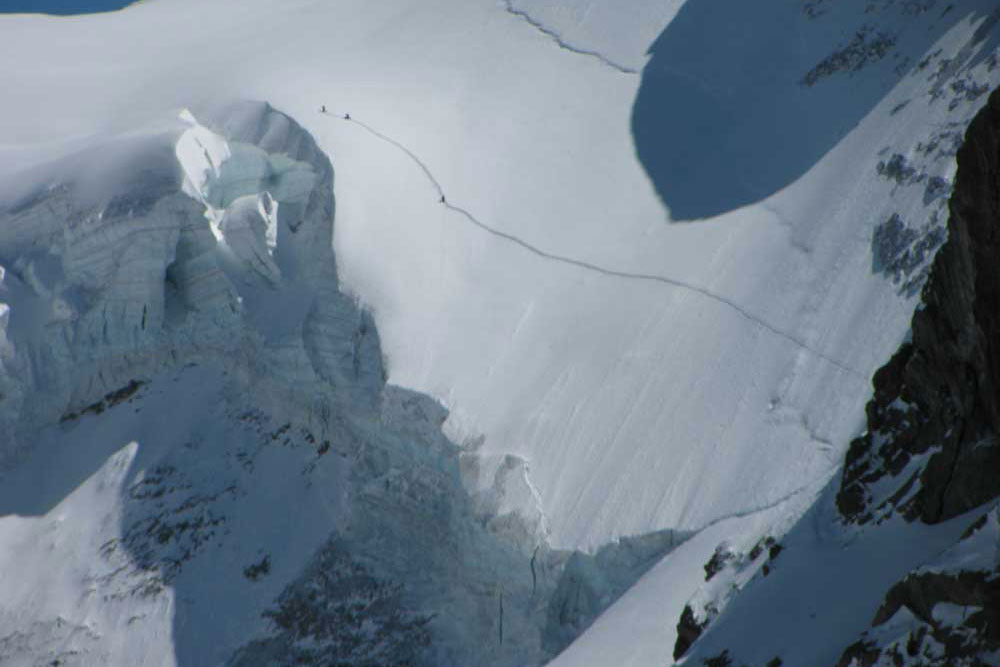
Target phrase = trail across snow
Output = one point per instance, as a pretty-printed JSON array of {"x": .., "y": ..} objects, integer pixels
[
  {"x": 588, "y": 266},
  {"x": 607, "y": 372},
  {"x": 637, "y": 368}
]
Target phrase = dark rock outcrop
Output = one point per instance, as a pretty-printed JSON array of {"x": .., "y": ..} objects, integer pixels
[
  {"x": 945, "y": 613},
  {"x": 688, "y": 631},
  {"x": 931, "y": 448},
  {"x": 859, "y": 654}
]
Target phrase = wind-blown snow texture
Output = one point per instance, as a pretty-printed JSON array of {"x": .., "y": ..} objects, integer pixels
[{"x": 605, "y": 372}]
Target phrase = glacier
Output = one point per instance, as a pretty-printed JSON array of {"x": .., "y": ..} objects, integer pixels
[
  {"x": 227, "y": 445},
  {"x": 526, "y": 397}
]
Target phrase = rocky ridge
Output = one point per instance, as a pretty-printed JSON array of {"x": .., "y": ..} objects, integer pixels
[{"x": 934, "y": 420}]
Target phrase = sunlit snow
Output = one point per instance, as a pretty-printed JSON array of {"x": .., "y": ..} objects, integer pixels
[{"x": 611, "y": 366}]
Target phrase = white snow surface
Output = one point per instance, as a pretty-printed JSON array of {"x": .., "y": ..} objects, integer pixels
[
  {"x": 638, "y": 405},
  {"x": 643, "y": 373}
]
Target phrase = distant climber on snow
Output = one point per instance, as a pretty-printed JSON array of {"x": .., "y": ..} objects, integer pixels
[
  {"x": 442, "y": 199},
  {"x": 322, "y": 109},
  {"x": 347, "y": 116}
]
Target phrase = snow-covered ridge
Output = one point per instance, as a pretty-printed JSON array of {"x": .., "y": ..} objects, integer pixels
[
  {"x": 233, "y": 369},
  {"x": 606, "y": 407}
]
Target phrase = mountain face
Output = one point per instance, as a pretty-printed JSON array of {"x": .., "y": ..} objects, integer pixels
[
  {"x": 930, "y": 449},
  {"x": 927, "y": 459},
  {"x": 944, "y": 613},
  {"x": 265, "y": 493},
  {"x": 508, "y": 333},
  {"x": 934, "y": 419}
]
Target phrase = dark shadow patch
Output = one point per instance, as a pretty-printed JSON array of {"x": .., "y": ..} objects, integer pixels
[
  {"x": 739, "y": 100},
  {"x": 63, "y": 7},
  {"x": 338, "y": 613}
]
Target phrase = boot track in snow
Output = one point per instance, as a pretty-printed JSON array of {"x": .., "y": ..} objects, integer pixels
[{"x": 594, "y": 268}]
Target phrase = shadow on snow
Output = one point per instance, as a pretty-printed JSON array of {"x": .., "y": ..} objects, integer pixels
[{"x": 741, "y": 99}]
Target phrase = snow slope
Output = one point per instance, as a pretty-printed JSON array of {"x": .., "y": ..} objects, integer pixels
[
  {"x": 203, "y": 462},
  {"x": 648, "y": 374},
  {"x": 621, "y": 393}
]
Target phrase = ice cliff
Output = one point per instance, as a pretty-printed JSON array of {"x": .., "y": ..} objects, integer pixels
[{"x": 239, "y": 474}]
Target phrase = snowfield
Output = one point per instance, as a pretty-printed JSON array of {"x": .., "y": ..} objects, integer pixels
[{"x": 647, "y": 258}]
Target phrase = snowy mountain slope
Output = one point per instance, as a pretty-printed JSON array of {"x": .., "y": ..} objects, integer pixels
[
  {"x": 607, "y": 421},
  {"x": 628, "y": 409},
  {"x": 792, "y": 96},
  {"x": 803, "y": 605},
  {"x": 862, "y": 579},
  {"x": 942, "y": 613},
  {"x": 607, "y": 372},
  {"x": 254, "y": 494}
]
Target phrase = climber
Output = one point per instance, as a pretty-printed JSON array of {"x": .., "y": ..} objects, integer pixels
[
  {"x": 322, "y": 109},
  {"x": 347, "y": 116},
  {"x": 442, "y": 199}
]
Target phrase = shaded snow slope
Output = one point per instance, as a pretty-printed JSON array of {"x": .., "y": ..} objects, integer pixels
[
  {"x": 820, "y": 591},
  {"x": 942, "y": 613},
  {"x": 606, "y": 372},
  {"x": 723, "y": 127}
]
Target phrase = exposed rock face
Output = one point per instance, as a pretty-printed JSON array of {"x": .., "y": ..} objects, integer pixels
[
  {"x": 931, "y": 448},
  {"x": 945, "y": 613},
  {"x": 688, "y": 631}
]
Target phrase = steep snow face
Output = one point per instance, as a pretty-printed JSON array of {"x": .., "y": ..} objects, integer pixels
[
  {"x": 122, "y": 258},
  {"x": 248, "y": 491},
  {"x": 86, "y": 244},
  {"x": 654, "y": 374},
  {"x": 607, "y": 372},
  {"x": 114, "y": 278}
]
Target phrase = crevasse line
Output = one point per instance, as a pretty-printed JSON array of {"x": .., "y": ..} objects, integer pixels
[{"x": 563, "y": 44}]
